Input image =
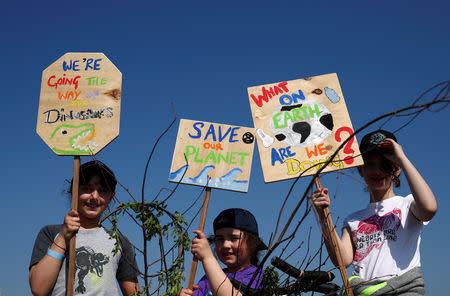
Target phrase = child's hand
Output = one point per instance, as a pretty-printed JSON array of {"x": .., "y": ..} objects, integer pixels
[
  {"x": 71, "y": 225},
  {"x": 188, "y": 292},
  {"x": 200, "y": 246},
  {"x": 320, "y": 198},
  {"x": 394, "y": 150}
]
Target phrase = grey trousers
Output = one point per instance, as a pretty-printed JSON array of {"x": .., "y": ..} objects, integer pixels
[{"x": 410, "y": 283}]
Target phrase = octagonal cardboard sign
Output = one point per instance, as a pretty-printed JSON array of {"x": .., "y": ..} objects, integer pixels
[
  {"x": 79, "y": 105},
  {"x": 212, "y": 154},
  {"x": 299, "y": 125}
]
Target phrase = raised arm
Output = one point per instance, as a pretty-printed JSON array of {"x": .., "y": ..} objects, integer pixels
[
  {"x": 424, "y": 205},
  {"x": 218, "y": 280},
  {"x": 321, "y": 200},
  {"x": 43, "y": 275}
]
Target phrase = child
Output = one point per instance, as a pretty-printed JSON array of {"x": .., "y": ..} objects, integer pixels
[
  {"x": 237, "y": 243},
  {"x": 382, "y": 241},
  {"x": 96, "y": 266}
]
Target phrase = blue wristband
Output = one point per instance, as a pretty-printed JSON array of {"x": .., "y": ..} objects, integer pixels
[{"x": 55, "y": 255}]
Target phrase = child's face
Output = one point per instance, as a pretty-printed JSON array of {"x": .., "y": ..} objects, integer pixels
[
  {"x": 232, "y": 248},
  {"x": 93, "y": 199},
  {"x": 375, "y": 172}
]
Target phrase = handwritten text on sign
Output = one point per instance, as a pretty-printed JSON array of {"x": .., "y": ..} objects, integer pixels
[
  {"x": 213, "y": 155},
  {"x": 79, "y": 107},
  {"x": 300, "y": 124}
]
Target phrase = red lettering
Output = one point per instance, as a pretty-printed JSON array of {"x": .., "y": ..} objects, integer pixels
[
  {"x": 268, "y": 94},
  {"x": 277, "y": 90},
  {"x": 48, "y": 81},
  {"x": 258, "y": 101},
  {"x": 63, "y": 81},
  {"x": 283, "y": 86}
]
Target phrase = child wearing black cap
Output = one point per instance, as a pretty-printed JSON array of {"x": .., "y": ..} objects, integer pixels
[
  {"x": 96, "y": 266},
  {"x": 382, "y": 241},
  {"x": 237, "y": 243}
]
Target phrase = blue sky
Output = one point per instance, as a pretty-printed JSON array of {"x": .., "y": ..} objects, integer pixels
[{"x": 201, "y": 56}]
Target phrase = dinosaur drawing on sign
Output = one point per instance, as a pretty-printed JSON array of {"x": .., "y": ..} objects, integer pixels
[{"x": 70, "y": 139}]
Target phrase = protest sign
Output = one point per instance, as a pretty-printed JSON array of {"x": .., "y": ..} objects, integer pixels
[
  {"x": 79, "y": 106},
  {"x": 79, "y": 114},
  {"x": 299, "y": 125},
  {"x": 213, "y": 155}
]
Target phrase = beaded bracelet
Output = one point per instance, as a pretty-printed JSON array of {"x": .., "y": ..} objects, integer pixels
[{"x": 54, "y": 254}]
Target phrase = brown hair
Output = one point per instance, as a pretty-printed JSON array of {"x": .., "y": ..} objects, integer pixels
[
  {"x": 96, "y": 168},
  {"x": 255, "y": 245}
]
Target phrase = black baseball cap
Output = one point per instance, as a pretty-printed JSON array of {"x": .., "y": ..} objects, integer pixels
[
  {"x": 370, "y": 141},
  {"x": 240, "y": 219},
  {"x": 98, "y": 168}
]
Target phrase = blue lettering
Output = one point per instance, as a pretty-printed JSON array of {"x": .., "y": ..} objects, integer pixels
[
  {"x": 289, "y": 152},
  {"x": 283, "y": 153},
  {"x": 287, "y": 100},
  {"x": 233, "y": 134},
  {"x": 97, "y": 64},
  {"x": 221, "y": 137},
  {"x": 284, "y": 102},
  {"x": 299, "y": 96},
  {"x": 71, "y": 66},
  {"x": 199, "y": 132},
  {"x": 212, "y": 132},
  {"x": 276, "y": 157},
  {"x": 88, "y": 64}
]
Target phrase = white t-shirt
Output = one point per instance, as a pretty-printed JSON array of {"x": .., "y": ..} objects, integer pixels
[
  {"x": 97, "y": 268},
  {"x": 386, "y": 238}
]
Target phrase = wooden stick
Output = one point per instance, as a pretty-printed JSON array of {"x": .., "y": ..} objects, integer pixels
[
  {"x": 200, "y": 227},
  {"x": 75, "y": 185},
  {"x": 337, "y": 250}
]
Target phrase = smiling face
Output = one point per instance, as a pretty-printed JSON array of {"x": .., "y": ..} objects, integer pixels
[
  {"x": 93, "y": 199},
  {"x": 378, "y": 173},
  {"x": 232, "y": 248}
]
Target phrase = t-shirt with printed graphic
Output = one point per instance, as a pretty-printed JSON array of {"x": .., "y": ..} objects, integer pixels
[
  {"x": 243, "y": 276},
  {"x": 96, "y": 266},
  {"x": 386, "y": 238}
]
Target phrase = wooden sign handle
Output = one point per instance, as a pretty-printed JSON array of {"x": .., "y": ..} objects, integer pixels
[
  {"x": 337, "y": 250},
  {"x": 75, "y": 185},
  {"x": 200, "y": 227}
]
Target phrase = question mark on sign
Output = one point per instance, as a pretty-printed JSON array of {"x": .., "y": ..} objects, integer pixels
[{"x": 348, "y": 147}]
